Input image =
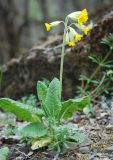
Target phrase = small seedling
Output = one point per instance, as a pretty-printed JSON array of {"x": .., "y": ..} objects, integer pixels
[{"x": 102, "y": 76}]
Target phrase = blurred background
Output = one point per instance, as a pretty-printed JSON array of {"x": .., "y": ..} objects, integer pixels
[{"x": 22, "y": 21}]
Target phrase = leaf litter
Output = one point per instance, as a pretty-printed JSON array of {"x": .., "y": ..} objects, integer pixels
[{"x": 98, "y": 146}]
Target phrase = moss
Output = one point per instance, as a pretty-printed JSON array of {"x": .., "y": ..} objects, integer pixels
[
  {"x": 110, "y": 136},
  {"x": 82, "y": 157},
  {"x": 99, "y": 146}
]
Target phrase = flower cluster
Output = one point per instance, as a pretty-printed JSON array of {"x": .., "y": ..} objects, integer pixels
[{"x": 72, "y": 36}]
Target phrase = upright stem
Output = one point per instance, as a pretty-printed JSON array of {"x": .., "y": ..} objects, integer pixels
[{"x": 62, "y": 54}]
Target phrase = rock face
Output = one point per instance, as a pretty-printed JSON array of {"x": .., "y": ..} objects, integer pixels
[{"x": 21, "y": 75}]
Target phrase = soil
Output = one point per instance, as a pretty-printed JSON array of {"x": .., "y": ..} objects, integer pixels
[{"x": 98, "y": 146}]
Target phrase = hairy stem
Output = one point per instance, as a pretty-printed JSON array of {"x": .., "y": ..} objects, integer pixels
[{"x": 62, "y": 54}]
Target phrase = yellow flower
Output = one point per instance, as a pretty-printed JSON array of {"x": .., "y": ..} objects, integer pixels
[
  {"x": 52, "y": 24},
  {"x": 48, "y": 26},
  {"x": 86, "y": 30},
  {"x": 83, "y": 17},
  {"x": 71, "y": 43},
  {"x": 78, "y": 37}
]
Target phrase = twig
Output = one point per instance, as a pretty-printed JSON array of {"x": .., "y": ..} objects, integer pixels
[
  {"x": 103, "y": 78},
  {"x": 56, "y": 156},
  {"x": 22, "y": 153}
]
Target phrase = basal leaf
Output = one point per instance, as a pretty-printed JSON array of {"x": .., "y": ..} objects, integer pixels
[
  {"x": 32, "y": 130},
  {"x": 52, "y": 101},
  {"x": 4, "y": 153},
  {"x": 72, "y": 105},
  {"x": 67, "y": 127},
  {"x": 22, "y": 111},
  {"x": 42, "y": 142},
  {"x": 41, "y": 90},
  {"x": 88, "y": 110},
  {"x": 78, "y": 137}
]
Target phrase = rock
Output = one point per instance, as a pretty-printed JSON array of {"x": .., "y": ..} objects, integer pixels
[
  {"x": 109, "y": 149},
  {"x": 21, "y": 75},
  {"x": 84, "y": 149}
]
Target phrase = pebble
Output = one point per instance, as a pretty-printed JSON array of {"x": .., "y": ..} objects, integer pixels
[
  {"x": 109, "y": 149},
  {"x": 84, "y": 149}
]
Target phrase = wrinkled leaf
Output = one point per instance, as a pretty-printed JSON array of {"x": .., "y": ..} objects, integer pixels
[
  {"x": 4, "y": 153},
  {"x": 41, "y": 143},
  {"x": 32, "y": 130},
  {"x": 41, "y": 90},
  {"x": 72, "y": 105},
  {"x": 68, "y": 127},
  {"x": 29, "y": 100},
  {"x": 52, "y": 101},
  {"x": 89, "y": 110},
  {"x": 22, "y": 111},
  {"x": 78, "y": 137}
]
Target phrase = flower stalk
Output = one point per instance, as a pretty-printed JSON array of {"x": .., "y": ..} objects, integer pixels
[
  {"x": 71, "y": 35},
  {"x": 62, "y": 53}
]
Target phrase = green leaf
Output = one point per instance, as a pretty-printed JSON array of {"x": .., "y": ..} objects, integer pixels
[
  {"x": 72, "y": 105},
  {"x": 22, "y": 111},
  {"x": 4, "y": 153},
  {"x": 67, "y": 127},
  {"x": 42, "y": 91},
  {"x": 41, "y": 143},
  {"x": 88, "y": 110},
  {"x": 32, "y": 130},
  {"x": 52, "y": 101},
  {"x": 78, "y": 137},
  {"x": 29, "y": 100}
]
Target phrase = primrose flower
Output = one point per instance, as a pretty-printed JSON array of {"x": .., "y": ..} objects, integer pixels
[
  {"x": 71, "y": 43},
  {"x": 72, "y": 34},
  {"x": 83, "y": 17},
  {"x": 52, "y": 24},
  {"x": 86, "y": 30},
  {"x": 80, "y": 16},
  {"x": 48, "y": 26},
  {"x": 78, "y": 37}
]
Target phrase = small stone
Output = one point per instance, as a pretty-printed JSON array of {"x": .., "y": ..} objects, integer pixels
[
  {"x": 30, "y": 153},
  {"x": 84, "y": 149},
  {"x": 0, "y": 142},
  {"x": 109, "y": 149}
]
